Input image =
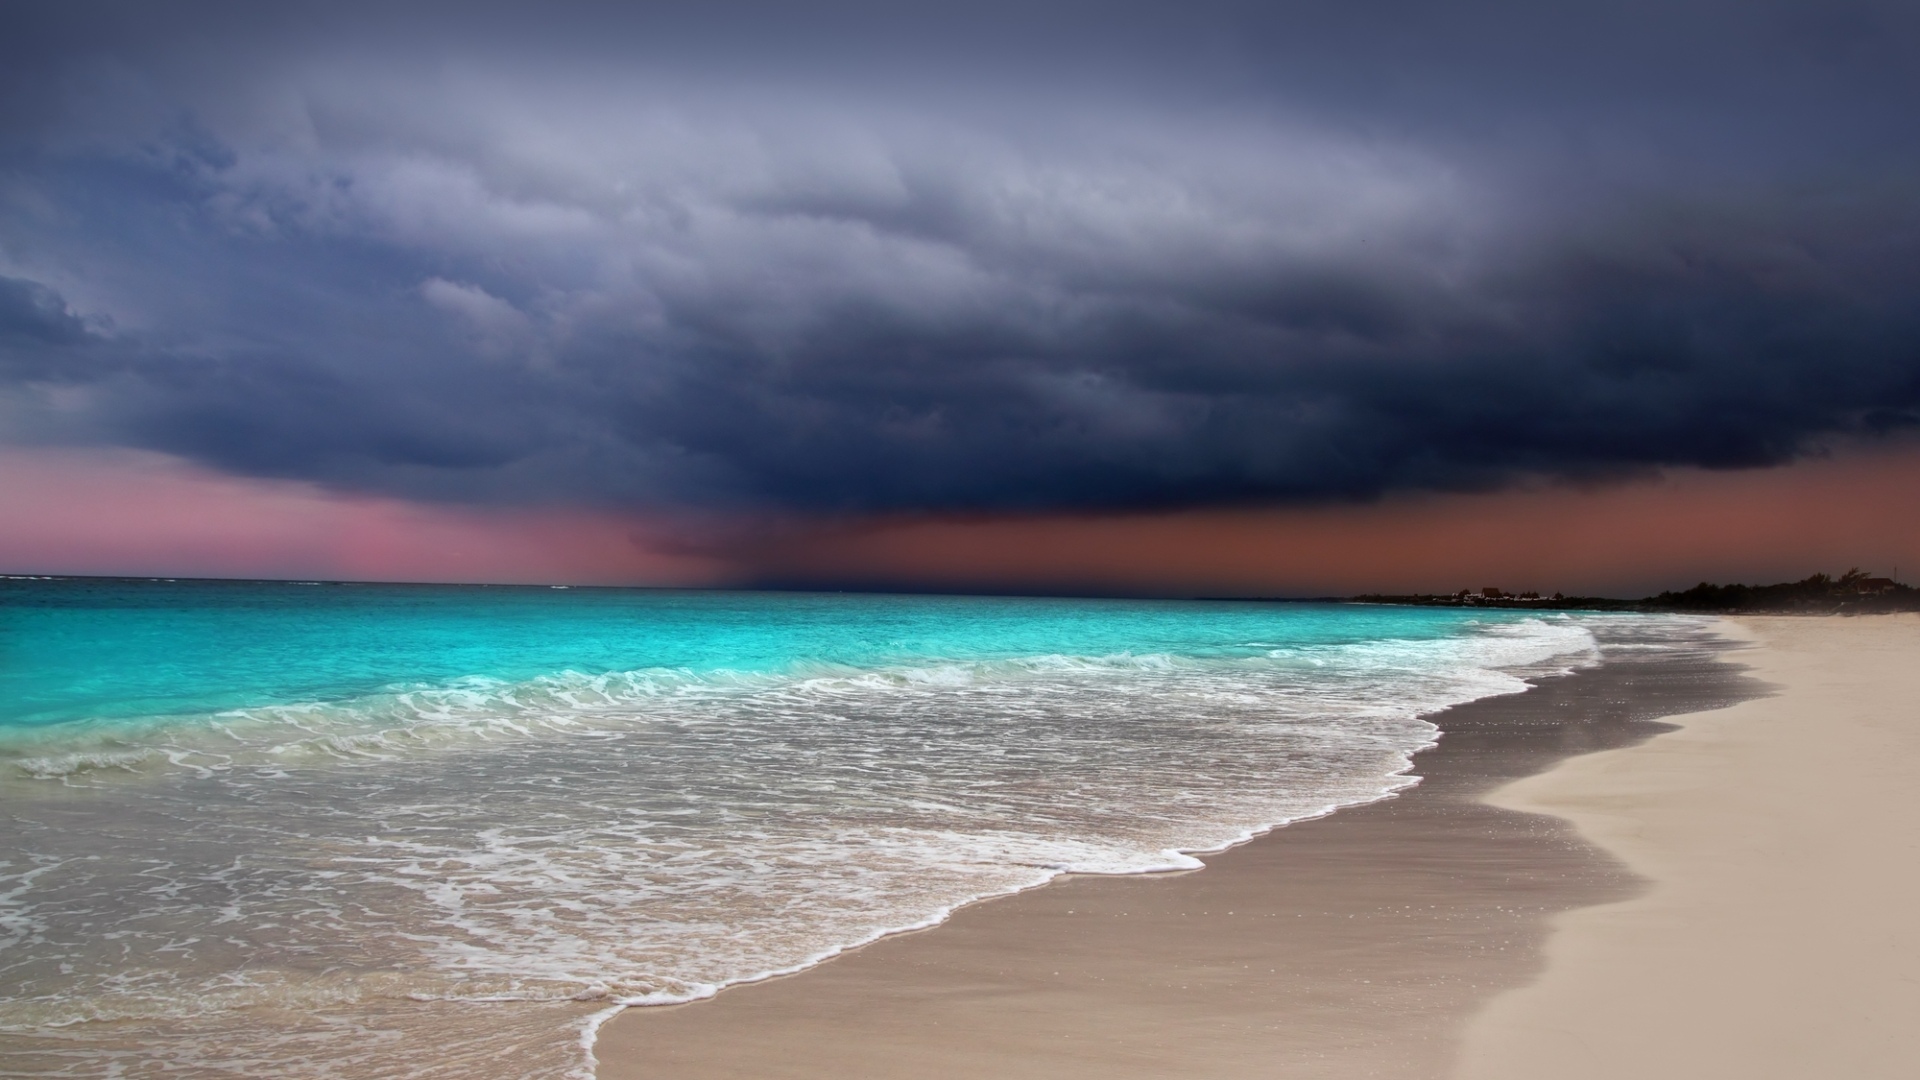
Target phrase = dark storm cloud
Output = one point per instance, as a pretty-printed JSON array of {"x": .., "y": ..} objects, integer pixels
[
  {"x": 33, "y": 315},
  {"x": 859, "y": 257}
]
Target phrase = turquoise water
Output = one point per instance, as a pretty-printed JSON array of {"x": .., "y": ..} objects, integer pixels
[
  {"x": 95, "y": 652},
  {"x": 273, "y": 829}
]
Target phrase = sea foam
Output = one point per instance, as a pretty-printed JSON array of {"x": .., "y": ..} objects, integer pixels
[{"x": 325, "y": 887}]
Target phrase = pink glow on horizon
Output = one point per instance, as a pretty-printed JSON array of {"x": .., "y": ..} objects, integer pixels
[
  {"x": 1631, "y": 539},
  {"x": 145, "y": 514}
]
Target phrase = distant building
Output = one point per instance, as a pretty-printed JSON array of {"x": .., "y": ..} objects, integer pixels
[
  {"x": 1874, "y": 585},
  {"x": 1491, "y": 593}
]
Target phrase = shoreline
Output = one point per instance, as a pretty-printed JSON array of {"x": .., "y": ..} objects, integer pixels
[
  {"x": 1775, "y": 939},
  {"x": 1383, "y": 926},
  {"x": 1198, "y": 856}
]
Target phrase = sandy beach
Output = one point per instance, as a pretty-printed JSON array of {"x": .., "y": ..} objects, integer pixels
[
  {"x": 1777, "y": 937},
  {"x": 1361, "y": 944}
]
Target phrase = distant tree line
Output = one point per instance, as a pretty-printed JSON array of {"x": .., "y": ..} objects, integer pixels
[{"x": 1856, "y": 591}]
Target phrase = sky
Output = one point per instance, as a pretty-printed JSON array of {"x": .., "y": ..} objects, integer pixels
[{"x": 1225, "y": 297}]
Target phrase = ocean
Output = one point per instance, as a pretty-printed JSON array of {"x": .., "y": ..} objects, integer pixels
[{"x": 335, "y": 830}]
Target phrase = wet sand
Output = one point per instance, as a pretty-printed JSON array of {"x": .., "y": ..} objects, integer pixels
[
  {"x": 1782, "y": 840},
  {"x": 1356, "y": 945}
]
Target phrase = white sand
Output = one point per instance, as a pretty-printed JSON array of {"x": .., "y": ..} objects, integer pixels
[{"x": 1781, "y": 934}]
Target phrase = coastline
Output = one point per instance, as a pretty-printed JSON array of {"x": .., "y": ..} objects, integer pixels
[
  {"x": 1776, "y": 938},
  {"x": 1353, "y": 944}
]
